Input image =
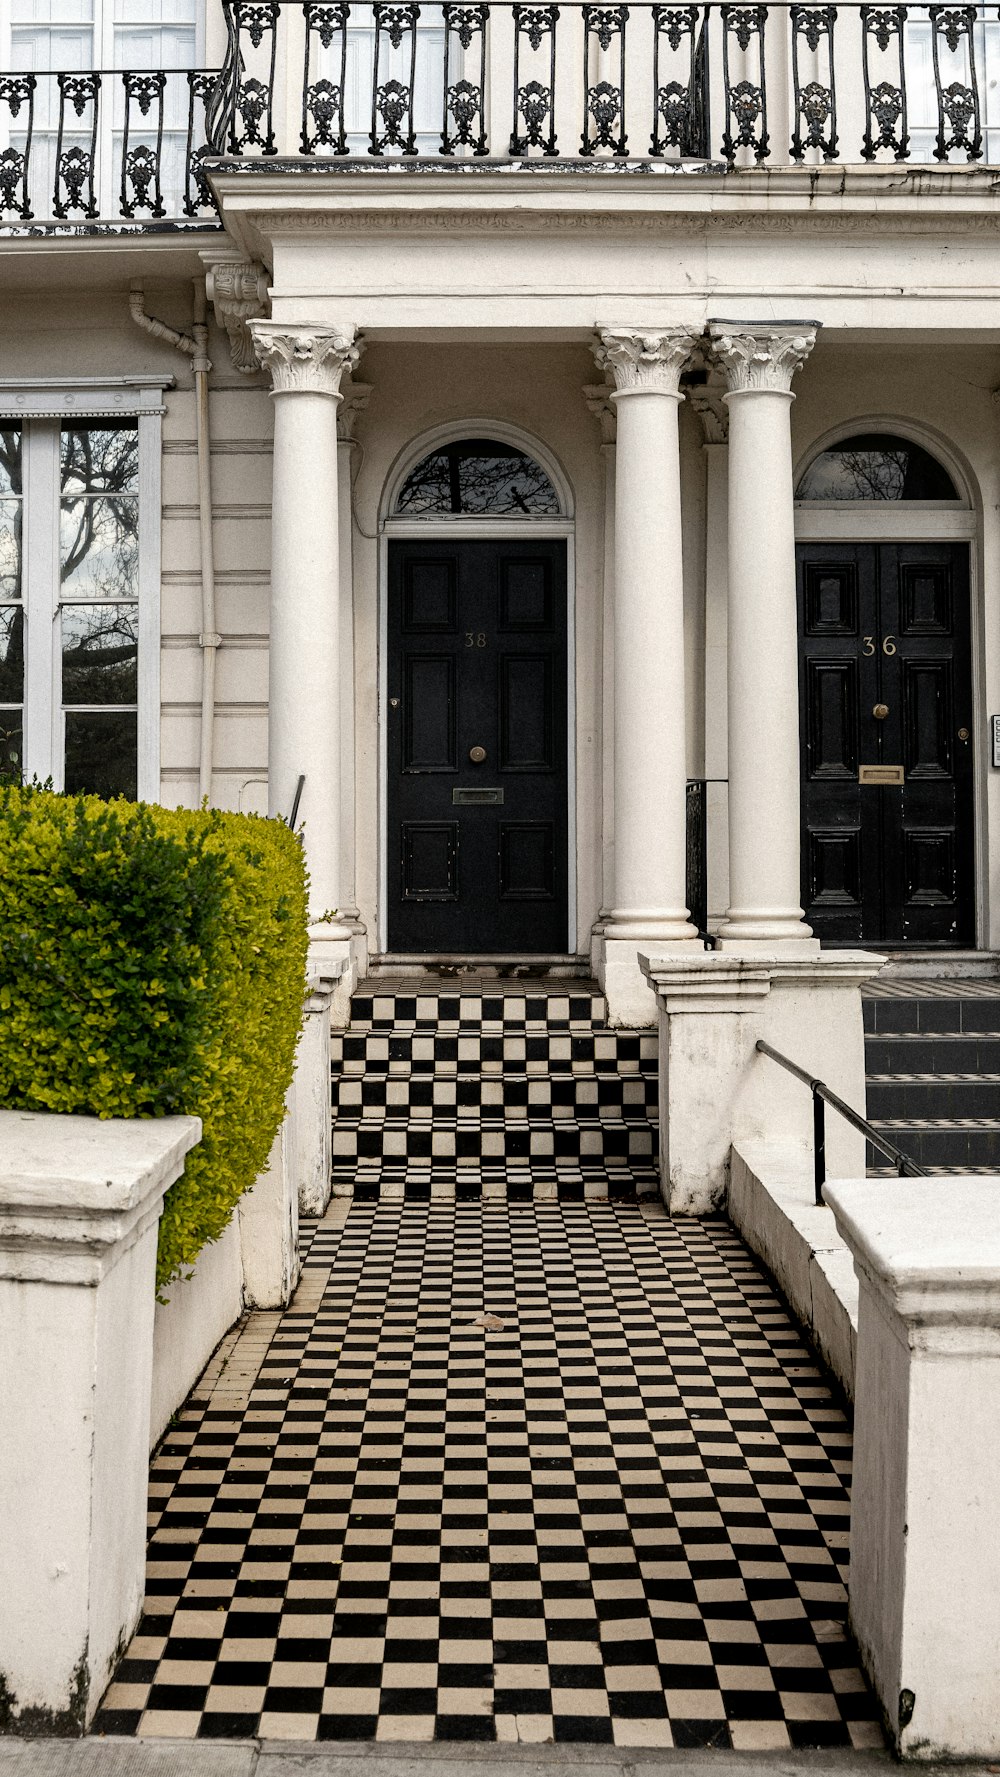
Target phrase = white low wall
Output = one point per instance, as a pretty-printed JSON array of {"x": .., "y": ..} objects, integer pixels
[
  {"x": 771, "y": 1201},
  {"x": 187, "y": 1328}
]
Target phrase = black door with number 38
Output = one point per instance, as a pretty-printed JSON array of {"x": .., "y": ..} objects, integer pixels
[
  {"x": 477, "y": 747},
  {"x": 886, "y": 743}
]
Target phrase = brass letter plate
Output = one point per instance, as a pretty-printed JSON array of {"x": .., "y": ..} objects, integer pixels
[
  {"x": 880, "y": 774},
  {"x": 477, "y": 795}
]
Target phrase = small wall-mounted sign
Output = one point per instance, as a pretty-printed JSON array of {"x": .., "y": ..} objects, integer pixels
[
  {"x": 880, "y": 774},
  {"x": 995, "y": 732}
]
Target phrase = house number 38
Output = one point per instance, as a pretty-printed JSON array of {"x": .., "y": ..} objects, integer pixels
[
  {"x": 888, "y": 645},
  {"x": 475, "y": 639}
]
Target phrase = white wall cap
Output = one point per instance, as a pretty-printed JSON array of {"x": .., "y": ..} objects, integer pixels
[
  {"x": 711, "y": 981},
  {"x": 930, "y": 1248},
  {"x": 76, "y": 1192}
]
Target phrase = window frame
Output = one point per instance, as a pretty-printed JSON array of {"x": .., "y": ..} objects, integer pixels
[{"x": 43, "y": 406}]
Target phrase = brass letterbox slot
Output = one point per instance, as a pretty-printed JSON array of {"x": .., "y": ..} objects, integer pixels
[
  {"x": 466, "y": 797},
  {"x": 880, "y": 774}
]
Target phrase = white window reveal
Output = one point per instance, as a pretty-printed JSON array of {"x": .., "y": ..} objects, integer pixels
[{"x": 79, "y": 585}]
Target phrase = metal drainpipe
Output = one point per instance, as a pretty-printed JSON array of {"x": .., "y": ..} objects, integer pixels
[{"x": 195, "y": 346}]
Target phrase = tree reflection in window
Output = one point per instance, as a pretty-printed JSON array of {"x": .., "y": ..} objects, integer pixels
[
  {"x": 876, "y": 466},
  {"x": 99, "y": 511},
  {"x": 99, "y": 569},
  {"x": 478, "y": 476}
]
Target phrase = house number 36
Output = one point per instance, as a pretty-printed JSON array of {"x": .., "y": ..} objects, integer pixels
[{"x": 888, "y": 645}]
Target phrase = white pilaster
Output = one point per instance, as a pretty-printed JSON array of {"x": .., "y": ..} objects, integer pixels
[
  {"x": 306, "y": 366},
  {"x": 709, "y": 404},
  {"x": 354, "y": 400},
  {"x": 649, "y": 909},
  {"x": 759, "y": 362},
  {"x": 598, "y": 397},
  {"x": 80, "y": 1203}
]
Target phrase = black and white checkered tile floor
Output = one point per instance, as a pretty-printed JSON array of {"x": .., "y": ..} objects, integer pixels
[{"x": 524, "y": 1472}]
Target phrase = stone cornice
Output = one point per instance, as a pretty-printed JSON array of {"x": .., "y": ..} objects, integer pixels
[
  {"x": 764, "y": 358},
  {"x": 685, "y": 223},
  {"x": 305, "y": 360},
  {"x": 644, "y": 361}
]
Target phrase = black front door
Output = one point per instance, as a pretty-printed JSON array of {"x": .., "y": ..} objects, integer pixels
[
  {"x": 885, "y": 704},
  {"x": 477, "y": 747}
]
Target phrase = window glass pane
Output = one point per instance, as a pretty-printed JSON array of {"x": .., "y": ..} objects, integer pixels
[
  {"x": 100, "y": 649},
  {"x": 478, "y": 475},
  {"x": 11, "y": 654},
  {"x": 98, "y": 548},
  {"x": 101, "y": 753},
  {"x": 492, "y": 479},
  {"x": 10, "y": 460},
  {"x": 100, "y": 459},
  {"x": 11, "y": 744},
  {"x": 10, "y": 549},
  {"x": 875, "y": 466}
]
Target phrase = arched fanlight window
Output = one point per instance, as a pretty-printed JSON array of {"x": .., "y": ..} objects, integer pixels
[
  {"x": 876, "y": 466},
  {"x": 477, "y": 476}
]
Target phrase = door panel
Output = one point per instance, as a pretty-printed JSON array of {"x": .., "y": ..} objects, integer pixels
[
  {"x": 886, "y": 681},
  {"x": 477, "y": 660}
]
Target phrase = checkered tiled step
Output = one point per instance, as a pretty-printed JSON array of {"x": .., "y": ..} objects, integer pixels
[
  {"x": 932, "y": 1053},
  {"x": 499, "y": 1092},
  {"x": 512, "y": 1181},
  {"x": 473, "y": 1011}
]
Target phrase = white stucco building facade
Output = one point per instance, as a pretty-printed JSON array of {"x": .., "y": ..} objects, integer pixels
[{"x": 703, "y": 367}]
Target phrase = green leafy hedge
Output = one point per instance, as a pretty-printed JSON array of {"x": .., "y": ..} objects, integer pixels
[{"x": 152, "y": 961}]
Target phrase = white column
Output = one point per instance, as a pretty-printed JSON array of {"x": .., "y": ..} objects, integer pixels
[
  {"x": 304, "y": 647},
  {"x": 80, "y": 1203},
  {"x": 649, "y": 909},
  {"x": 925, "y": 1550},
  {"x": 759, "y": 362}
]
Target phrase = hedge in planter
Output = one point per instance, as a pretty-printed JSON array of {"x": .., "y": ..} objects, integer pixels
[{"x": 152, "y": 961}]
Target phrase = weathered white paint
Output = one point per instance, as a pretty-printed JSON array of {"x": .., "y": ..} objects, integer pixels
[
  {"x": 80, "y": 1202},
  {"x": 925, "y": 1554},
  {"x": 308, "y": 1127},
  {"x": 771, "y": 1201},
  {"x": 187, "y": 1326},
  {"x": 269, "y": 1230},
  {"x": 716, "y": 1091}
]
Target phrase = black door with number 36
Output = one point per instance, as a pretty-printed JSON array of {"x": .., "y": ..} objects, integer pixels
[
  {"x": 477, "y": 747},
  {"x": 886, "y": 742}
]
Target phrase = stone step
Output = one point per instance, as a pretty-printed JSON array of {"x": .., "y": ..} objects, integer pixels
[
  {"x": 507, "y": 1096},
  {"x": 447, "y": 1008},
  {"x": 915, "y": 1052},
  {"x": 957, "y": 1143},
  {"x": 472, "y": 1141},
  {"x": 471, "y": 1051},
  {"x": 935, "y": 1095},
  {"x": 512, "y": 1182},
  {"x": 949, "y": 1015}
]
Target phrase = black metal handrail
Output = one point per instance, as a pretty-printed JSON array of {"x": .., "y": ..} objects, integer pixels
[{"x": 822, "y": 1096}]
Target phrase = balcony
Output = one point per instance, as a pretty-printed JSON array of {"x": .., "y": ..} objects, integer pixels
[{"x": 320, "y": 84}]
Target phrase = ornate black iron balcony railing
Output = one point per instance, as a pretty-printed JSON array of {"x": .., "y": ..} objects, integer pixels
[{"x": 730, "y": 85}]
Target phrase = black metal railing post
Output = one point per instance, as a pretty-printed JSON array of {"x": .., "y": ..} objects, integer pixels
[
  {"x": 822, "y": 1095},
  {"x": 819, "y": 1142}
]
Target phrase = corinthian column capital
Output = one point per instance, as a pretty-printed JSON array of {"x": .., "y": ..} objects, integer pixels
[
  {"x": 644, "y": 363},
  {"x": 305, "y": 360},
  {"x": 761, "y": 357}
]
